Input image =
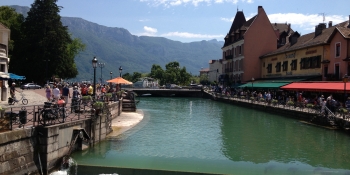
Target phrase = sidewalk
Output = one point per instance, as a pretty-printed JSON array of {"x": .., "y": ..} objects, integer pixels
[{"x": 35, "y": 97}]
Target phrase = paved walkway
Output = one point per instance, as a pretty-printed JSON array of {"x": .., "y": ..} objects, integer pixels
[{"x": 120, "y": 124}]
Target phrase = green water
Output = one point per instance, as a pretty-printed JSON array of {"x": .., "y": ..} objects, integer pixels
[{"x": 200, "y": 135}]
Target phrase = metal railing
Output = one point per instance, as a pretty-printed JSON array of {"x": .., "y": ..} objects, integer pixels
[
  {"x": 298, "y": 106},
  {"x": 48, "y": 114}
]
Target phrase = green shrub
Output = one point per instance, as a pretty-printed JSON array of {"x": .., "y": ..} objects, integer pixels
[
  {"x": 290, "y": 103},
  {"x": 309, "y": 105},
  {"x": 98, "y": 105},
  {"x": 242, "y": 97}
]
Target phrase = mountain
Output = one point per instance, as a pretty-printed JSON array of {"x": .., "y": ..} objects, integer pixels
[{"x": 118, "y": 47}]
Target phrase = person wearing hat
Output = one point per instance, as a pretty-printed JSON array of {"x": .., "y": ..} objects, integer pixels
[{"x": 13, "y": 91}]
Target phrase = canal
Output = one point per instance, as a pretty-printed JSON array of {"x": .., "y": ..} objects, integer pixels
[{"x": 205, "y": 136}]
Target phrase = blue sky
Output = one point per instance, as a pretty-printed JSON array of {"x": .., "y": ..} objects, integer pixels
[{"x": 196, "y": 20}]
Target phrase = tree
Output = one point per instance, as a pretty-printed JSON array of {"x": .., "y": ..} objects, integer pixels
[
  {"x": 157, "y": 73},
  {"x": 135, "y": 76},
  {"x": 175, "y": 75},
  {"x": 48, "y": 47}
]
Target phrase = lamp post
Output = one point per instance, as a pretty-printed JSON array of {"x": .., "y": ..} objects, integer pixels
[
  {"x": 345, "y": 79},
  {"x": 252, "y": 83},
  {"x": 101, "y": 65},
  {"x": 111, "y": 73},
  {"x": 94, "y": 65},
  {"x": 120, "y": 71}
]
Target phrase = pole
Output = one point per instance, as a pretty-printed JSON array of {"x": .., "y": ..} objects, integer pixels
[
  {"x": 101, "y": 75},
  {"x": 94, "y": 93}
]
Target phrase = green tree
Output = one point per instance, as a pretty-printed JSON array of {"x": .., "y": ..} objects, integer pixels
[
  {"x": 48, "y": 46},
  {"x": 127, "y": 76},
  {"x": 135, "y": 76},
  {"x": 157, "y": 73},
  {"x": 176, "y": 75}
]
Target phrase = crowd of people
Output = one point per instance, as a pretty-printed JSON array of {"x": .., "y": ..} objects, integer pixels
[
  {"x": 298, "y": 99},
  {"x": 61, "y": 93}
]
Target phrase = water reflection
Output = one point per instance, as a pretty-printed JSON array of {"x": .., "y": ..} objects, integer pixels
[
  {"x": 199, "y": 135},
  {"x": 259, "y": 137}
]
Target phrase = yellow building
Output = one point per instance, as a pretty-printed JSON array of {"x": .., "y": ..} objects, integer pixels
[{"x": 301, "y": 57}]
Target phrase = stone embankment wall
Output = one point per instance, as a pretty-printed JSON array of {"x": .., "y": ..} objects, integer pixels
[{"x": 40, "y": 149}]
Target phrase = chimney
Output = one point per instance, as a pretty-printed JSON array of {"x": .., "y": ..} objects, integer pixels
[
  {"x": 330, "y": 24},
  {"x": 260, "y": 8},
  {"x": 288, "y": 27},
  {"x": 319, "y": 28}
]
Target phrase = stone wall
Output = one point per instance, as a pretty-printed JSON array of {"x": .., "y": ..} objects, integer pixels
[{"x": 41, "y": 149}]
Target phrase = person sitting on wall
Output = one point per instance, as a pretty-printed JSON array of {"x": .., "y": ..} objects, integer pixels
[{"x": 61, "y": 102}]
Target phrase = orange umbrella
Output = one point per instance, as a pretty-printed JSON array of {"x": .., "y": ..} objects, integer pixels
[{"x": 119, "y": 80}]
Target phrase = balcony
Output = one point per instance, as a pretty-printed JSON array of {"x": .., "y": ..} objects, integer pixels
[{"x": 229, "y": 57}]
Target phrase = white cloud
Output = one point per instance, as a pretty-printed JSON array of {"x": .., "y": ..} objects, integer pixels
[
  {"x": 144, "y": 20},
  {"x": 190, "y": 35},
  {"x": 148, "y": 31},
  {"x": 304, "y": 23},
  {"x": 169, "y": 3}
]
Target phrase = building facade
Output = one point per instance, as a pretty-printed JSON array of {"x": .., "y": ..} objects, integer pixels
[
  {"x": 245, "y": 43},
  {"x": 314, "y": 56},
  {"x": 215, "y": 69},
  {"x": 4, "y": 61}
]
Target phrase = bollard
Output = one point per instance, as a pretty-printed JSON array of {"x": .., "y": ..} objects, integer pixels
[{"x": 22, "y": 116}]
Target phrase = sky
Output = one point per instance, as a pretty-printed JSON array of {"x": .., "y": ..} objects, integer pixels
[{"x": 197, "y": 20}]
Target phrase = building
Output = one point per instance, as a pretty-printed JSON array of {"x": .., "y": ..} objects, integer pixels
[
  {"x": 339, "y": 53},
  {"x": 310, "y": 56},
  {"x": 215, "y": 69},
  {"x": 4, "y": 61},
  {"x": 245, "y": 42}
]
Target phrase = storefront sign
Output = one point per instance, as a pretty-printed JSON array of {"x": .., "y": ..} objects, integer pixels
[
  {"x": 310, "y": 52},
  {"x": 291, "y": 55}
]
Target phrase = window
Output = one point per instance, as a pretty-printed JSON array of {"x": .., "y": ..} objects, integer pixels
[
  {"x": 294, "y": 65},
  {"x": 337, "y": 50},
  {"x": 315, "y": 62},
  {"x": 269, "y": 68},
  {"x": 303, "y": 63},
  {"x": 285, "y": 65},
  {"x": 239, "y": 50},
  {"x": 325, "y": 71},
  {"x": 278, "y": 67}
]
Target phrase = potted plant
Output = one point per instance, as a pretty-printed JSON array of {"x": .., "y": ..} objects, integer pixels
[
  {"x": 2, "y": 111},
  {"x": 309, "y": 105},
  {"x": 108, "y": 96},
  {"x": 98, "y": 105},
  {"x": 290, "y": 103},
  {"x": 120, "y": 93},
  {"x": 274, "y": 102},
  {"x": 86, "y": 99}
]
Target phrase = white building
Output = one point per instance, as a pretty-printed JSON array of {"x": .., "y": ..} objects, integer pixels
[
  {"x": 4, "y": 61},
  {"x": 215, "y": 69}
]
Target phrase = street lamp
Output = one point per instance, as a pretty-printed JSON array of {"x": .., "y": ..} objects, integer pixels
[
  {"x": 252, "y": 83},
  {"x": 111, "y": 73},
  {"x": 94, "y": 65},
  {"x": 120, "y": 71},
  {"x": 101, "y": 65},
  {"x": 345, "y": 79}
]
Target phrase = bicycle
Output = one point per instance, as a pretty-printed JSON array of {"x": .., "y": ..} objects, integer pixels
[
  {"x": 52, "y": 113},
  {"x": 12, "y": 101}
]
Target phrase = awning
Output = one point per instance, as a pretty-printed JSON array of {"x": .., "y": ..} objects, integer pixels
[
  {"x": 271, "y": 85},
  {"x": 318, "y": 86},
  {"x": 4, "y": 76},
  {"x": 16, "y": 77}
]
